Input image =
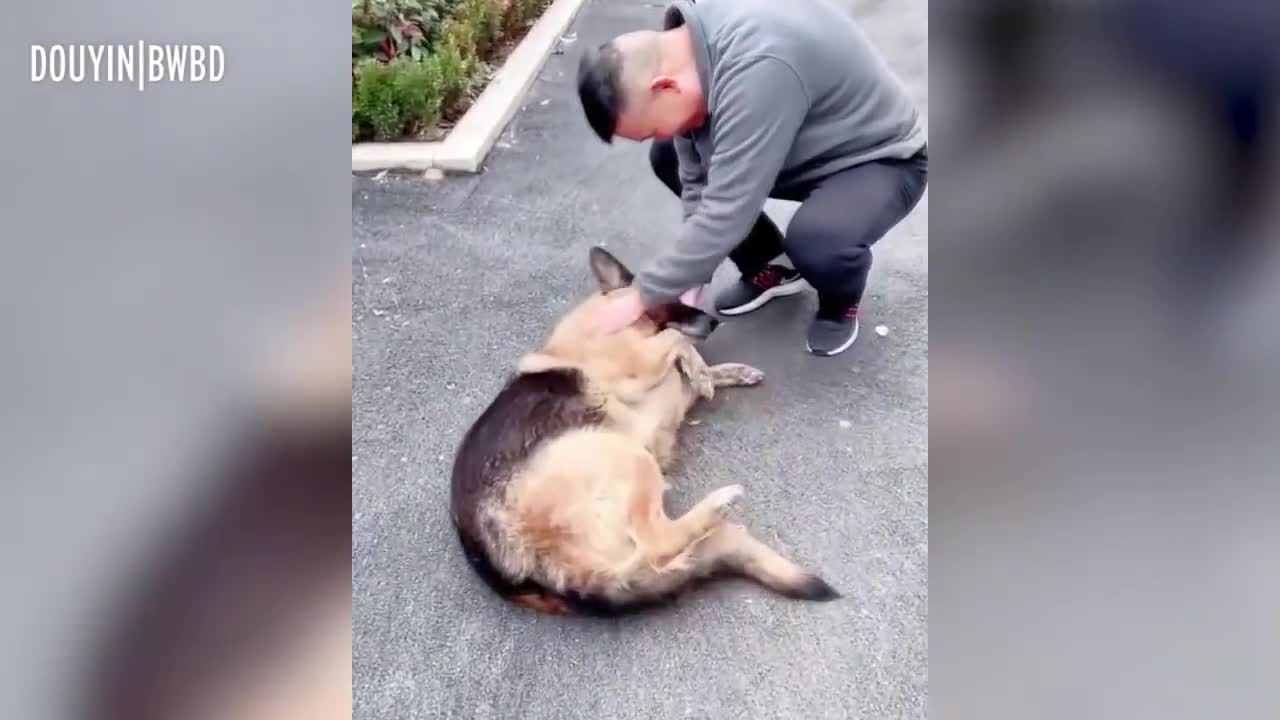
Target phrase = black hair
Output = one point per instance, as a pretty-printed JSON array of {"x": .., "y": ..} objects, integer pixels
[{"x": 599, "y": 89}]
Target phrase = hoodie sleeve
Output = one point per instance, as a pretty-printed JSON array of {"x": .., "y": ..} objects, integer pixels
[
  {"x": 692, "y": 177},
  {"x": 759, "y": 109}
]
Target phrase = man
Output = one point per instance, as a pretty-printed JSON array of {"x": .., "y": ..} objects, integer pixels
[{"x": 751, "y": 99}]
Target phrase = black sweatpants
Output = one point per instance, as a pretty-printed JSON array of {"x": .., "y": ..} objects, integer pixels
[{"x": 830, "y": 237}]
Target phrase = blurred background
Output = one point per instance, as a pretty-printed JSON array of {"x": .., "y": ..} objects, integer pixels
[{"x": 1105, "y": 278}]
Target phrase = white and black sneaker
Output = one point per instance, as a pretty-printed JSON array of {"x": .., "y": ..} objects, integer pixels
[
  {"x": 830, "y": 335},
  {"x": 750, "y": 293}
]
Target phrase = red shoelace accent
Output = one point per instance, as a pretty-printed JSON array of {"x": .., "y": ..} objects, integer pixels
[
  {"x": 851, "y": 313},
  {"x": 766, "y": 278}
]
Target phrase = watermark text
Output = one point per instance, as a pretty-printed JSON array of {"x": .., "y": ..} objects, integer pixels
[{"x": 139, "y": 64}]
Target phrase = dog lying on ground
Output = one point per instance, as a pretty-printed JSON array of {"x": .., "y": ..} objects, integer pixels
[{"x": 557, "y": 488}]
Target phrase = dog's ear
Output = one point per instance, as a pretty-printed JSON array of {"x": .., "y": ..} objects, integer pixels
[{"x": 610, "y": 273}]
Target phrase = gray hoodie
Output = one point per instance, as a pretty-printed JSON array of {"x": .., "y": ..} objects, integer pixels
[{"x": 795, "y": 92}]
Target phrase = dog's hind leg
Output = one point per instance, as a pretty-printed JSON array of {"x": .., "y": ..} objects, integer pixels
[
  {"x": 664, "y": 540},
  {"x": 731, "y": 549}
]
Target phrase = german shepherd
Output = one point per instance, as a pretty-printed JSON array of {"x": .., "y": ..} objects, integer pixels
[{"x": 557, "y": 488}]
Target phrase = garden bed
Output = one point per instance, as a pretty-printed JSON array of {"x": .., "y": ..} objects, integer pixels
[{"x": 417, "y": 66}]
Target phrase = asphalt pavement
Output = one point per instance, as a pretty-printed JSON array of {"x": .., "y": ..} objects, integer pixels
[{"x": 454, "y": 279}]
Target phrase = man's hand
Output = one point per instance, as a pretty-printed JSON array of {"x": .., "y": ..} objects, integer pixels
[
  {"x": 623, "y": 308},
  {"x": 692, "y": 296}
]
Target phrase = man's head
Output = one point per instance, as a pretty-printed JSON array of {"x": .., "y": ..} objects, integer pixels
[{"x": 642, "y": 85}]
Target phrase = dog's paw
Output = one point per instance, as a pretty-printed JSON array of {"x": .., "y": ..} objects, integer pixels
[
  {"x": 736, "y": 374},
  {"x": 725, "y": 497}
]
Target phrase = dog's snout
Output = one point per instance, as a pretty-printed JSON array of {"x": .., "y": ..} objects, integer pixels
[
  {"x": 688, "y": 320},
  {"x": 702, "y": 325}
]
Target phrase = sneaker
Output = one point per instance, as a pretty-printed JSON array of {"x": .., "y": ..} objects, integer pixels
[
  {"x": 749, "y": 293},
  {"x": 832, "y": 336}
]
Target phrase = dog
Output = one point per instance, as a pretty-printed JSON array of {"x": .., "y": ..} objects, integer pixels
[{"x": 557, "y": 487}]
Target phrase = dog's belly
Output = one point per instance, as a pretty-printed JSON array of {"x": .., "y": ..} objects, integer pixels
[{"x": 573, "y": 504}]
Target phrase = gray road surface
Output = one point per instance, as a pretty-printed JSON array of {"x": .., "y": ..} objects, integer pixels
[{"x": 453, "y": 280}]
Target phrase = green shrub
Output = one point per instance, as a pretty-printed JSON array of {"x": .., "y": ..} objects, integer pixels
[
  {"x": 414, "y": 60},
  {"x": 486, "y": 17},
  {"x": 394, "y": 99},
  {"x": 530, "y": 9},
  {"x": 455, "y": 73},
  {"x": 460, "y": 34},
  {"x": 520, "y": 14},
  {"x": 374, "y": 105},
  {"x": 512, "y": 17},
  {"x": 418, "y": 88},
  {"x": 395, "y": 28}
]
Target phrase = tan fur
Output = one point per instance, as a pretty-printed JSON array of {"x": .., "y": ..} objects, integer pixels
[{"x": 586, "y": 512}]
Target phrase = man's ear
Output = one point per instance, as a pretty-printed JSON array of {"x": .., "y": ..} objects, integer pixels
[
  {"x": 610, "y": 273},
  {"x": 663, "y": 82}
]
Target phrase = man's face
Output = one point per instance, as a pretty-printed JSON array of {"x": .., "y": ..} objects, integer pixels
[{"x": 663, "y": 111}]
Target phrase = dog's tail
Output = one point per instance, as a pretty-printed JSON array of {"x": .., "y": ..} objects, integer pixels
[{"x": 731, "y": 549}]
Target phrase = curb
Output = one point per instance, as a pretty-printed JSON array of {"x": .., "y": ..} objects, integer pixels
[{"x": 471, "y": 139}]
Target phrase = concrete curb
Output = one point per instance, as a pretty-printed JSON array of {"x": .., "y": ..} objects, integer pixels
[{"x": 471, "y": 139}]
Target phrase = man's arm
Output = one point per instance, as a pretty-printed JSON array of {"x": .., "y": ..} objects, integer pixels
[{"x": 758, "y": 115}]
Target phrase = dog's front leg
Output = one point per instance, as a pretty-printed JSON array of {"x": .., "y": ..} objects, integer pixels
[
  {"x": 657, "y": 361},
  {"x": 734, "y": 375},
  {"x": 695, "y": 369}
]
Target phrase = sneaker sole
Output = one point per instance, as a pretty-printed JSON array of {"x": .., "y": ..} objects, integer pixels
[
  {"x": 790, "y": 288},
  {"x": 840, "y": 349}
]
